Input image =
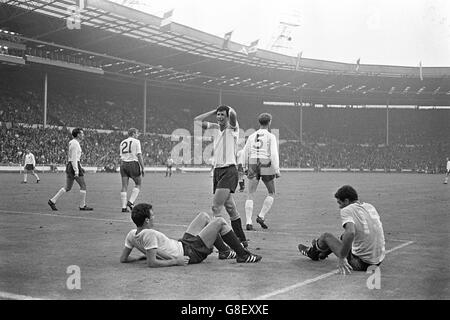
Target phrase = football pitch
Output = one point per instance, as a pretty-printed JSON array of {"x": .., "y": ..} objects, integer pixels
[{"x": 39, "y": 248}]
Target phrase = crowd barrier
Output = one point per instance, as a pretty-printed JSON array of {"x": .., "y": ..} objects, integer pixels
[{"x": 91, "y": 169}]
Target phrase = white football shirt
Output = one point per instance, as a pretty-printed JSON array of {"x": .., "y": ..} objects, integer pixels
[
  {"x": 225, "y": 145},
  {"x": 369, "y": 238},
  {"x": 74, "y": 151},
  {"x": 129, "y": 149},
  {"x": 29, "y": 159},
  {"x": 262, "y": 144},
  {"x": 152, "y": 239}
]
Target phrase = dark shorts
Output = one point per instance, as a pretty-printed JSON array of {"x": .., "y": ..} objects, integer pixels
[
  {"x": 71, "y": 173},
  {"x": 29, "y": 167},
  {"x": 130, "y": 169},
  {"x": 194, "y": 248},
  {"x": 261, "y": 169},
  {"x": 357, "y": 264},
  {"x": 225, "y": 178}
]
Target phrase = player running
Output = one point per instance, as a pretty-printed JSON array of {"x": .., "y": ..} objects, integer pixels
[
  {"x": 225, "y": 177},
  {"x": 29, "y": 165},
  {"x": 362, "y": 243},
  {"x": 262, "y": 160},
  {"x": 132, "y": 166},
  {"x": 74, "y": 172}
]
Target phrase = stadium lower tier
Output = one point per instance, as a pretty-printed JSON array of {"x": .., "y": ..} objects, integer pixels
[{"x": 102, "y": 150}]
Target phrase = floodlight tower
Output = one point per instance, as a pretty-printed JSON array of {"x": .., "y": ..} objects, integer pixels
[{"x": 282, "y": 41}]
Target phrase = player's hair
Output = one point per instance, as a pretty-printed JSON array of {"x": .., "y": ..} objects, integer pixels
[
  {"x": 264, "y": 118},
  {"x": 132, "y": 131},
  {"x": 346, "y": 192},
  {"x": 223, "y": 108},
  {"x": 140, "y": 212},
  {"x": 76, "y": 132}
]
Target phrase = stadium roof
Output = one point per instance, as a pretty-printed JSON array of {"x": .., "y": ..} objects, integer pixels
[{"x": 118, "y": 41}]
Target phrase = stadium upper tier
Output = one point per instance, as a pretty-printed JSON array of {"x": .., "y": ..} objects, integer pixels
[{"x": 119, "y": 42}]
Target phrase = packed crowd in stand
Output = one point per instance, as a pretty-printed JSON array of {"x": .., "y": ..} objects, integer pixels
[{"x": 343, "y": 138}]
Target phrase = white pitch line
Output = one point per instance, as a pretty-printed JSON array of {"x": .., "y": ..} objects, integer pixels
[
  {"x": 83, "y": 218},
  {"x": 12, "y": 296},
  {"x": 323, "y": 276}
]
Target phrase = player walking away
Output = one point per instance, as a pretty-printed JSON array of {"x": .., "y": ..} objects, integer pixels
[
  {"x": 196, "y": 244},
  {"x": 448, "y": 171},
  {"x": 362, "y": 243},
  {"x": 169, "y": 164},
  {"x": 132, "y": 166},
  {"x": 241, "y": 175},
  {"x": 74, "y": 172},
  {"x": 29, "y": 165},
  {"x": 225, "y": 176},
  {"x": 262, "y": 161}
]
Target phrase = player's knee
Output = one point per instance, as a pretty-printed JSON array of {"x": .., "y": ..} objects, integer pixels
[{"x": 204, "y": 216}]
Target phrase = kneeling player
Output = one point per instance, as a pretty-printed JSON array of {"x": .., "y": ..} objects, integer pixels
[{"x": 362, "y": 243}]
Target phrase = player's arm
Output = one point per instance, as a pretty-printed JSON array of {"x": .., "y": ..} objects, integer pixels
[
  {"x": 125, "y": 257},
  {"x": 199, "y": 119},
  {"x": 233, "y": 117},
  {"x": 157, "y": 259},
  {"x": 347, "y": 240},
  {"x": 274, "y": 156},
  {"x": 141, "y": 162}
]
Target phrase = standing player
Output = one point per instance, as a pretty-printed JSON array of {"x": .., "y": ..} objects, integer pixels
[
  {"x": 29, "y": 165},
  {"x": 74, "y": 172},
  {"x": 448, "y": 171},
  {"x": 262, "y": 160},
  {"x": 169, "y": 164},
  {"x": 225, "y": 176},
  {"x": 132, "y": 166},
  {"x": 362, "y": 243}
]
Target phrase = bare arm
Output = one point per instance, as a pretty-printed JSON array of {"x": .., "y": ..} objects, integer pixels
[
  {"x": 347, "y": 239},
  {"x": 164, "y": 260},
  {"x": 141, "y": 163},
  {"x": 125, "y": 257},
  {"x": 199, "y": 119},
  {"x": 233, "y": 118}
]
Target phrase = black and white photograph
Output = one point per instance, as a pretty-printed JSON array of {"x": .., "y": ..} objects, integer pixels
[{"x": 222, "y": 159}]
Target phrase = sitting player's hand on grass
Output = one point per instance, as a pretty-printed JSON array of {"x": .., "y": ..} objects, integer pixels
[{"x": 344, "y": 266}]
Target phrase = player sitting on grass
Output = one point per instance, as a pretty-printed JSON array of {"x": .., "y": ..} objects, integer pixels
[
  {"x": 196, "y": 244},
  {"x": 362, "y": 243}
]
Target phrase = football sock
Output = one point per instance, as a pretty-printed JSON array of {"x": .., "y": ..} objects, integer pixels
[
  {"x": 37, "y": 177},
  {"x": 220, "y": 245},
  {"x": 58, "y": 194},
  {"x": 25, "y": 176},
  {"x": 134, "y": 194},
  {"x": 82, "y": 198},
  {"x": 232, "y": 240},
  {"x": 268, "y": 201},
  {"x": 123, "y": 199},
  {"x": 237, "y": 228},
  {"x": 249, "y": 211}
]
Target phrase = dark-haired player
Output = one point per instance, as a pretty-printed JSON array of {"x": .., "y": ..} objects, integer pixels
[
  {"x": 29, "y": 166},
  {"x": 196, "y": 244},
  {"x": 262, "y": 161},
  {"x": 132, "y": 166},
  {"x": 74, "y": 172},
  {"x": 362, "y": 243},
  {"x": 225, "y": 176}
]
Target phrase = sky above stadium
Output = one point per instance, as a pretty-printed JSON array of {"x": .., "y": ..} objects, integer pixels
[{"x": 386, "y": 32}]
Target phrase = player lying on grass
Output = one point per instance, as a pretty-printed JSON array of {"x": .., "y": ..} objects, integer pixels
[
  {"x": 362, "y": 243},
  {"x": 196, "y": 244}
]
